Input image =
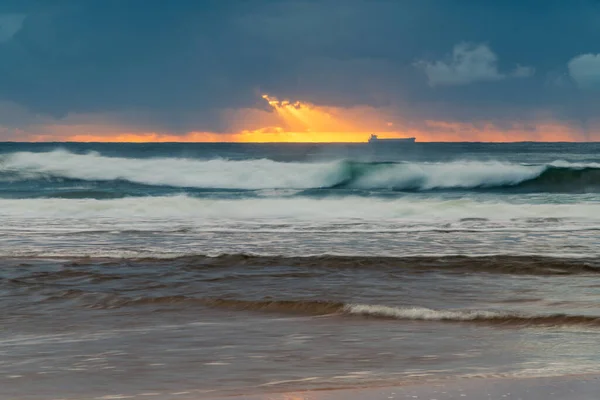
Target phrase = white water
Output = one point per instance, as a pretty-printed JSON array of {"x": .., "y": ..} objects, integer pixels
[
  {"x": 460, "y": 174},
  {"x": 178, "y": 172},
  {"x": 280, "y": 223},
  {"x": 350, "y": 209},
  {"x": 268, "y": 174},
  {"x": 423, "y": 313}
]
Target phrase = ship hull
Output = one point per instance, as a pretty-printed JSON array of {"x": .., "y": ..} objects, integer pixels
[{"x": 392, "y": 141}]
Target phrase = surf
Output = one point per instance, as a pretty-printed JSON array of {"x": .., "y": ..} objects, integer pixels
[
  {"x": 266, "y": 174},
  {"x": 325, "y": 308},
  {"x": 350, "y": 210}
]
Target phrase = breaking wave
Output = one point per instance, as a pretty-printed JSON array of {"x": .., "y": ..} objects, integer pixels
[
  {"x": 323, "y": 308},
  {"x": 481, "y": 316},
  {"x": 260, "y": 174}
]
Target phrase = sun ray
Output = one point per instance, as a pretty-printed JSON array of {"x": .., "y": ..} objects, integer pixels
[{"x": 297, "y": 121}]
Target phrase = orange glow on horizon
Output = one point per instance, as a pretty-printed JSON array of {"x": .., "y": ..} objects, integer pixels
[
  {"x": 553, "y": 134},
  {"x": 307, "y": 123},
  {"x": 300, "y": 122}
]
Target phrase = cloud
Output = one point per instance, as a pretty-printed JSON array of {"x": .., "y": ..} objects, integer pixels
[
  {"x": 470, "y": 63},
  {"x": 558, "y": 79},
  {"x": 585, "y": 70},
  {"x": 523, "y": 71},
  {"x": 10, "y": 24},
  {"x": 180, "y": 66}
]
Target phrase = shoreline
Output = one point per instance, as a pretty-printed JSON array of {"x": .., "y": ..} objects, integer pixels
[{"x": 566, "y": 387}]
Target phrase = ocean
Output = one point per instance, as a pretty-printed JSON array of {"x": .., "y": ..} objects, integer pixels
[{"x": 190, "y": 271}]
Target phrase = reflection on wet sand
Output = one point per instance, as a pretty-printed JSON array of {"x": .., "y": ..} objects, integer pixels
[{"x": 551, "y": 388}]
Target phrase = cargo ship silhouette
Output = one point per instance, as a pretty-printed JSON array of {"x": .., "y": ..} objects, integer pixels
[{"x": 375, "y": 140}]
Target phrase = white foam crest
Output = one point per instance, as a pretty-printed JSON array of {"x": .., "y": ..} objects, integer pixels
[
  {"x": 351, "y": 209},
  {"x": 457, "y": 174},
  {"x": 264, "y": 174},
  {"x": 420, "y": 313},
  {"x": 179, "y": 172},
  {"x": 576, "y": 165}
]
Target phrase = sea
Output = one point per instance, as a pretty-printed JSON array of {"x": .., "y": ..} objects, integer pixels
[{"x": 191, "y": 271}]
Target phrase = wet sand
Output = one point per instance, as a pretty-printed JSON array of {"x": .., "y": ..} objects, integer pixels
[{"x": 582, "y": 387}]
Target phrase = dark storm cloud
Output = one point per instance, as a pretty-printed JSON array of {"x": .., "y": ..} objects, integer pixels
[{"x": 181, "y": 58}]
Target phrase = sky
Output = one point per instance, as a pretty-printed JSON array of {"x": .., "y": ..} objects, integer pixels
[{"x": 299, "y": 70}]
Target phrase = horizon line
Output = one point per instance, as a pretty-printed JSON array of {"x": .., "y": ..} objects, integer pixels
[{"x": 275, "y": 142}]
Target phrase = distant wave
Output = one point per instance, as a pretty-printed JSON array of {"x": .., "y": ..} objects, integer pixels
[
  {"x": 558, "y": 176},
  {"x": 263, "y": 174},
  {"x": 175, "y": 172}
]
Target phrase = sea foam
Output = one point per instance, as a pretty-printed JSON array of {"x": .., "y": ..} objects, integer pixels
[
  {"x": 262, "y": 174},
  {"x": 348, "y": 209}
]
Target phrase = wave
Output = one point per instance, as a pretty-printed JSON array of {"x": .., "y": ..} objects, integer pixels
[
  {"x": 558, "y": 176},
  {"x": 175, "y": 172},
  {"x": 521, "y": 265},
  {"x": 349, "y": 212},
  {"x": 409, "y": 313},
  {"x": 260, "y": 174},
  {"x": 325, "y": 308},
  {"x": 311, "y": 266},
  {"x": 481, "y": 316}
]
